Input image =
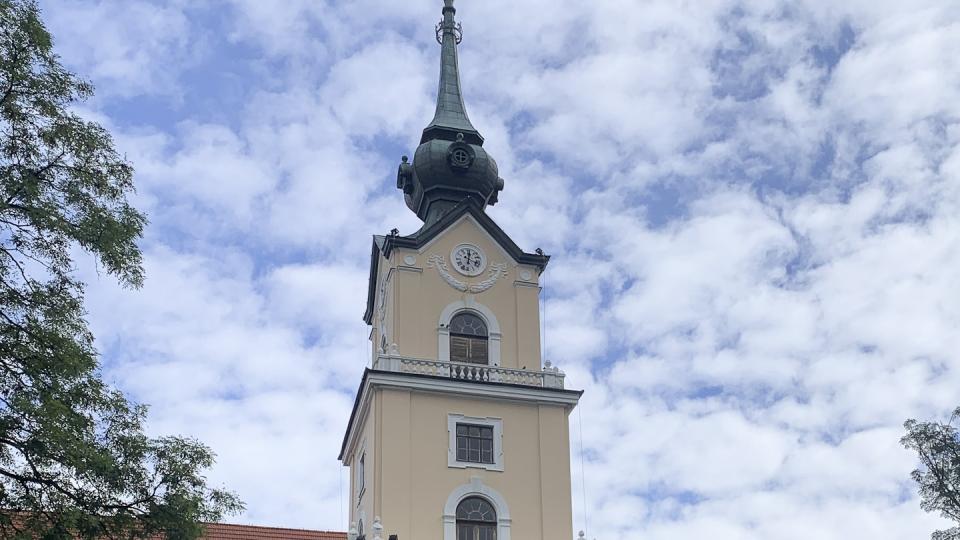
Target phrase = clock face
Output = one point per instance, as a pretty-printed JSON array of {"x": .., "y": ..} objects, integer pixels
[{"x": 468, "y": 259}]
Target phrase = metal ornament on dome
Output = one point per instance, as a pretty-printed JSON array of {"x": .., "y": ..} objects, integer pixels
[{"x": 457, "y": 29}]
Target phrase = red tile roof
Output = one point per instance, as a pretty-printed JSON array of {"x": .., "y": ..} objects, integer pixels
[{"x": 225, "y": 531}]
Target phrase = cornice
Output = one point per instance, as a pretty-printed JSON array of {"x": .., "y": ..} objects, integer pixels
[{"x": 501, "y": 392}]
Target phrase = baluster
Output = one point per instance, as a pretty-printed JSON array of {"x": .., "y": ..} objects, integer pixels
[{"x": 467, "y": 372}]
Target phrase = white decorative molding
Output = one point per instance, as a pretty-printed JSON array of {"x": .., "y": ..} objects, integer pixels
[
  {"x": 526, "y": 275},
  {"x": 496, "y": 272},
  {"x": 409, "y": 260},
  {"x": 496, "y": 423},
  {"x": 485, "y": 313},
  {"x": 436, "y": 261},
  {"x": 476, "y": 488},
  {"x": 502, "y": 392}
]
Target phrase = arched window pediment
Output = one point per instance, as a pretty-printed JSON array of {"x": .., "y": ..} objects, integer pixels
[
  {"x": 472, "y": 318},
  {"x": 464, "y": 498}
]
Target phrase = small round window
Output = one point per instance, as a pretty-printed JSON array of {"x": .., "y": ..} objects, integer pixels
[{"x": 460, "y": 158}]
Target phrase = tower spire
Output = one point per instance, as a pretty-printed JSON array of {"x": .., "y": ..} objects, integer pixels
[
  {"x": 450, "y": 165},
  {"x": 451, "y": 114}
]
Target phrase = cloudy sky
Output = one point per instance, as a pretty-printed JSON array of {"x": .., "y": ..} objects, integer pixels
[{"x": 753, "y": 208}]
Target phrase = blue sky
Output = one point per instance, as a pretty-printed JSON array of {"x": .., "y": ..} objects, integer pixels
[{"x": 752, "y": 208}]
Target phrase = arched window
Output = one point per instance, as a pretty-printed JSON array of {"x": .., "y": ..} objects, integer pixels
[
  {"x": 468, "y": 339},
  {"x": 476, "y": 520}
]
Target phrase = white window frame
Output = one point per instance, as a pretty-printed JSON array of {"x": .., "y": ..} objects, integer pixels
[
  {"x": 496, "y": 423},
  {"x": 482, "y": 311}
]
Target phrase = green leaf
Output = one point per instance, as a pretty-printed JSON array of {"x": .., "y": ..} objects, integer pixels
[{"x": 74, "y": 461}]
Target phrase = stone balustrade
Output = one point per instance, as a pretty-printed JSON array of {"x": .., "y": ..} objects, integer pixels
[{"x": 548, "y": 377}]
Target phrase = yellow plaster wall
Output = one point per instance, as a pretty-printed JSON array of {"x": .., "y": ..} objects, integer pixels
[{"x": 416, "y": 479}]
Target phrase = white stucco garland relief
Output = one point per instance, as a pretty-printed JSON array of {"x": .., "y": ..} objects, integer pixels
[{"x": 496, "y": 272}]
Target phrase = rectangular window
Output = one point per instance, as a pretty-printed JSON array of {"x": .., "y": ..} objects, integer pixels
[{"x": 474, "y": 443}]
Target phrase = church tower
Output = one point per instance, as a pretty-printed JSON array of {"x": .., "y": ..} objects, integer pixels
[{"x": 459, "y": 431}]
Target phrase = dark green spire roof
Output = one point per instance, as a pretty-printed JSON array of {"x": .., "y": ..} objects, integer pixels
[
  {"x": 451, "y": 115},
  {"x": 450, "y": 166}
]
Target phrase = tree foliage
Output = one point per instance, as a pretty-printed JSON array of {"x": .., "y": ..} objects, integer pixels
[
  {"x": 74, "y": 460},
  {"x": 938, "y": 445}
]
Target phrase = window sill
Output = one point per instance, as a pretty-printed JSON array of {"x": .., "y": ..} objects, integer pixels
[{"x": 471, "y": 465}]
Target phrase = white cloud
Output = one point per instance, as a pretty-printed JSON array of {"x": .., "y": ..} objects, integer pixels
[{"x": 130, "y": 40}]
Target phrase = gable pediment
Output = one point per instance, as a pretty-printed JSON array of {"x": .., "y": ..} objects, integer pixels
[{"x": 467, "y": 211}]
